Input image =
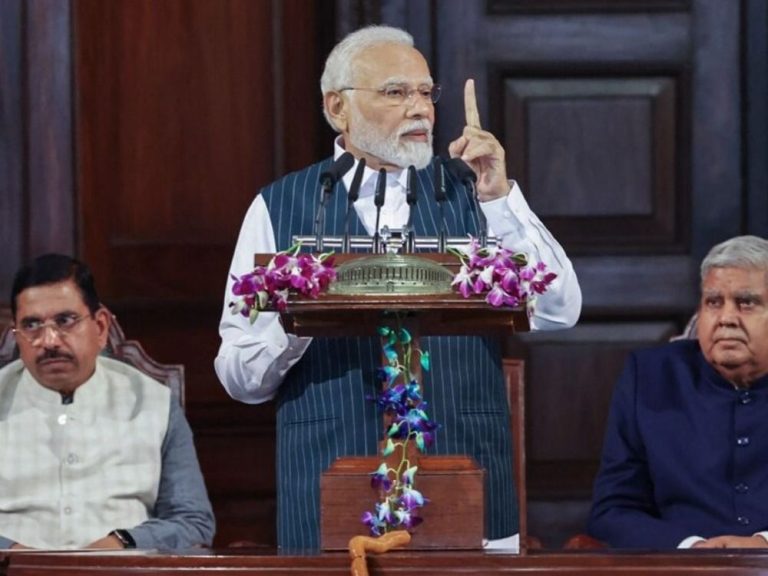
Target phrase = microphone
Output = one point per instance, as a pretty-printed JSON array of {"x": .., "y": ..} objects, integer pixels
[
  {"x": 411, "y": 195},
  {"x": 352, "y": 195},
  {"x": 336, "y": 170},
  {"x": 378, "y": 201},
  {"x": 464, "y": 174},
  {"x": 328, "y": 179},
  {"x": 440, "y": 198}
]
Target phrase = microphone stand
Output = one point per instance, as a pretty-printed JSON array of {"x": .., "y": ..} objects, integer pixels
[
  {"x": 462, "y": 172},
  {"x": 480, "y": 214},
  {"x": 352, "y": 196},
  {"x": 320, "y": 219},
  {"x": 411, "y": 195},
  {"x": 327, "y": 181},
  {"x": 378, "y": 201},
  {"x": 440, "y": 197}
]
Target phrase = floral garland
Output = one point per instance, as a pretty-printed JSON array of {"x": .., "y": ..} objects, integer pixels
[
  {"x": 401, "y": 402},
  {"x": 267, "y": 287},
  {"x": 505, "y": 277}
]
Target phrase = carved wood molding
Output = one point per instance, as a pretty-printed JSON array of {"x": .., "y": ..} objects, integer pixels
[{"x": 499, "y": 7}]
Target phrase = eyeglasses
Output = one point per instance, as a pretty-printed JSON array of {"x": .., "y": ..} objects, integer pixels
[
  {"x": 400, "y": 94},
  {"x": 61, "y": 324}
]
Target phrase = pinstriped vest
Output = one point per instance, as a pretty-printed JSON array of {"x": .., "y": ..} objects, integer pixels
[{"x": 323, "y": 406}]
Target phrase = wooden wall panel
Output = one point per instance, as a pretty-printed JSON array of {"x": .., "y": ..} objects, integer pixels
[
  {"x": 11, "y": 144},
  {"x": 49, "y": 161},
  {"x": 500, "y": 7},
  {"x": 611, "y": 143},
  {"x": 174, "y": 138},
  {"x": 36, "y": 156},
  {"x": 756, "y": 115}
]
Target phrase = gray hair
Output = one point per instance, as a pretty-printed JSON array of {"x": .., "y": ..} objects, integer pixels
[
  {"x": 737, "y": 252},
  {"x": 338, "y": 72}
]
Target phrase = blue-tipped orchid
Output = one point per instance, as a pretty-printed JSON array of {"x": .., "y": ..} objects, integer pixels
[
  {"x": 402, "y": 404},
  {"x": 380, "y": 478}
]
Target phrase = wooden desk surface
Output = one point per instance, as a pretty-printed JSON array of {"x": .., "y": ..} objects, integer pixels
[{"x": 243, "y": 563}]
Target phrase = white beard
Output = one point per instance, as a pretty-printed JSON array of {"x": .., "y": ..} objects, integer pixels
[{"x": 389, "y": 148}]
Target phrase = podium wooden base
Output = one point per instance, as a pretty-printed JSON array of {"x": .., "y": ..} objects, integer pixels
[{"x": 454, "y": 517}]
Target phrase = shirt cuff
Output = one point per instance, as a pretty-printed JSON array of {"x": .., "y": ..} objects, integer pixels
[
  {"x": 763, "y": 535},
  {"x": 507, "y": 216},
  {"x": 690, "y": 541}
]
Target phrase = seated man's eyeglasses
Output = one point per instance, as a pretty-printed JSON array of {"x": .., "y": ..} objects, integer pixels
[
  {"x": 400, "y": 94},
  {"x": 33, "y": 329}
]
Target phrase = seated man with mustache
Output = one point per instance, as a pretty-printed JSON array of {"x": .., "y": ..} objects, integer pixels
[
  {"x": 379, "y": 95},
  {"x": 684, "y": 461},
  {"x": 93, "y": 453}
]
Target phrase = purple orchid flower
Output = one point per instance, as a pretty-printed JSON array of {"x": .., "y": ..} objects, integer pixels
[{"x": 380, "y": 479}]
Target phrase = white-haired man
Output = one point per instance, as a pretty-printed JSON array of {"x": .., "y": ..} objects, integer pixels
[
  {"x": 379, "y": 95},
  {"x": 683, "y": 460}
]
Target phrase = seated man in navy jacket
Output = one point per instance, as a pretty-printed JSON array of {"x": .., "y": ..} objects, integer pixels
[{"x": 684, "y": 462}]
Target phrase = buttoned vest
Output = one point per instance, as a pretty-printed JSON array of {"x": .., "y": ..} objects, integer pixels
[{"x": 71, "y": 473}]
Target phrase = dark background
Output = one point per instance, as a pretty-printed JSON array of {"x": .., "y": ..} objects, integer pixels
[{"x": 135, "y": 133}]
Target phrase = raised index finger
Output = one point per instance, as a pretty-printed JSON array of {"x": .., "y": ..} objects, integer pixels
[{"x": 470, "y": 105}]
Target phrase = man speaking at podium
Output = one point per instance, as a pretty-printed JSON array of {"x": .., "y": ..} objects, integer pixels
[{"x": 379, "y": 95}]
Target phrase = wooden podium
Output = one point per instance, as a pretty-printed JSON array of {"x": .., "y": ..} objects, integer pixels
[{"x": 454, "y": 518}]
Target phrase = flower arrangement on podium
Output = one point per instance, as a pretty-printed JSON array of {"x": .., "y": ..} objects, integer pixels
[
  {"x": 505, "y": 277},
  {"x": 268, "y": 287}
]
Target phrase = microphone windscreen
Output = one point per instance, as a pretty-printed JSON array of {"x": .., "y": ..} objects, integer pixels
[
  {"x": 437, "y": 165},
  {"x": 357, "y": 180},
  {"x": 460, "y": 170},
  {"x": 413, "y": 187},
  {"x": 340, "y": 167},
  {"x": 381, "y": 188}
]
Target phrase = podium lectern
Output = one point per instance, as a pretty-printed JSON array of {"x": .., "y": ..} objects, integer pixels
[{"x": 454, "y": 517}]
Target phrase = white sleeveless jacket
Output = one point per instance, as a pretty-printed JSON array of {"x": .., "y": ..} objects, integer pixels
[{"x": 69, "y": 474}]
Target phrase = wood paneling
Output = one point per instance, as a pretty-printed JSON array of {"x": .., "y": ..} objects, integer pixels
[
  {"x": 36, "y": 156},
  {"x": 174, "y": 136},
  {"x": 500, "y": 7},
  {"x": 756, "y": 116},
  {"x": 11, "y": 143},
  {"x": 716, "y": 123},
  {"x": 611, "y": 143},
  {"x": 49, "y": 161}
]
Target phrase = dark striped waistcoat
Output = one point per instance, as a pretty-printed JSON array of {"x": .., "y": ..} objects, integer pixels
[{"x": 323, "y": 410}]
